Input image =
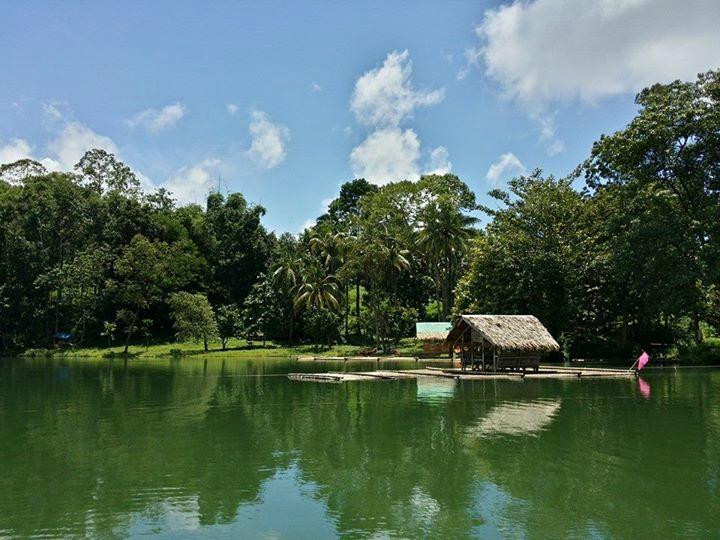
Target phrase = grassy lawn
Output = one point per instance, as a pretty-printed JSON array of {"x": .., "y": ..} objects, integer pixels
[{"x": 237, "y": 348}]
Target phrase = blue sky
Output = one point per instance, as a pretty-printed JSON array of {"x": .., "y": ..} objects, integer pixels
[{"x": 284, "y": 101}]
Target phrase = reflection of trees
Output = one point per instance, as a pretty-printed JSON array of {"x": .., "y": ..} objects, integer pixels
[
  {"x": 603, "y": 463},
  {"x": 87, "y": 449},
  {"x": 112, "y": 441}
]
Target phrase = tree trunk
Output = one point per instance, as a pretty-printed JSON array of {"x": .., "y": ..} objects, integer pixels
[
  {"x": 696, "y": 329},
  {"x": 130, "y": 329},
  {"x": 357, "y": 298},
  {"x": 347, "y": 310},
  {"x": 205, "y": 342},
  {"x": 292, "y": 322},
  {"x": 450, "y": 287}
]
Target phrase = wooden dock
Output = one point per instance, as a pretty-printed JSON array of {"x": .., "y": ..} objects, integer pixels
[{"x": 546, "y": 372}]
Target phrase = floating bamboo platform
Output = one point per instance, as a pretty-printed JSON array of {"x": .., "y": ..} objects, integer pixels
[
  {"x": 546, "y": 372},
  {"x": 373, "y": 359}
]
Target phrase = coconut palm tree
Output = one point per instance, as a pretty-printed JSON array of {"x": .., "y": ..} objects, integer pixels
[
  {"x": 445, "y": 235},
  {"x": 317, "y": 290},
  {"x": 392, "y": 257},
  {"x": 286, "y": 274},
  {"x": 333, "y": 250}
]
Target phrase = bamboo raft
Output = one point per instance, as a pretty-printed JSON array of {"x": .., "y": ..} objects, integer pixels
[
  {"x": 377, "y": 359},
  {"x": 546, "y": 372}
]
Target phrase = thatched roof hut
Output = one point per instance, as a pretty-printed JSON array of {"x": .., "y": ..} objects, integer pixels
[{"x": 518, "y": 340}]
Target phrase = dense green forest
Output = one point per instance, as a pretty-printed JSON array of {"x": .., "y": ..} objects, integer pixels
[{"x": 621, "y": 253}]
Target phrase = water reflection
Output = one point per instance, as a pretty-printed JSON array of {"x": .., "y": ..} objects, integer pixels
[
  {"x": 235, "y": 449},
  {"x": 644, "y": 387},
  {"x": 517, "y": 418},
  {"x": 435, "y": 389}
]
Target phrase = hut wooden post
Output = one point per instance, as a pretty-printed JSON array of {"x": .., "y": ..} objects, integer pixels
[
  {"x": 483, "y": 353},
  {"x": 495, "y": 355},
  {"x": 461, "y": 336}
]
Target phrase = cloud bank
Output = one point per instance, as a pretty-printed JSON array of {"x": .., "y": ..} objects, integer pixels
[
  {"x": 383, "y": 99},
  {"x": 545, "y": 53}
]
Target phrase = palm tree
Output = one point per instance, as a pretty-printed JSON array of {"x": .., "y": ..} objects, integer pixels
[
  {"x": 392, "y": 257},
  {"x": 333, "y": 249},
  {"x": 381, "y": 258},
  {"x": 445, "y": 235},
  {"x": 286, "y": 275},
  {"x": 317, "y": 290}
]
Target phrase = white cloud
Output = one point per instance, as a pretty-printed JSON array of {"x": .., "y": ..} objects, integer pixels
[
  {"x": 316, "y": 87},
  {"x": 232, "y": 109},
  {"x": 507, "y": 165},
  {"x": 188, "y": 185},
  {"x": 439, "y": 162},
  {"x": 556, "y": 147},
  {"x": 472, "y": 57},
  {"x": 193, "y": 184},
  {"x": 74, "y": 140},
  {"x": 156, "y": 120},
  {"x": 15, "y": 150},
  {"x": 52, "y": 111},
  {"x": 64, "y": 151},
  {"x": 307, "y": 224},
  {"x": 385, "y": 96},
  {"x": 387, "y": 155},
  {"x": 324, "y": 207},
  {"x": 547, "y": 50},
  {"x": 268, "y": 141},
  {"x": 18, "y": 149}
]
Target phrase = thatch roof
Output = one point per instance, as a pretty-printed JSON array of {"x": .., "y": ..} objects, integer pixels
[
  {"x": 433, "y": 331},
  {"x": 507, "y": 332}
]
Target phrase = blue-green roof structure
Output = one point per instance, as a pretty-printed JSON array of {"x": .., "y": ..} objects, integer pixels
[{"x": 434, "y": 331}]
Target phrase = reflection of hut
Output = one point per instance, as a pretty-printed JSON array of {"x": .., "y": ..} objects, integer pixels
[
  {"x": 433, "y": 335},
  {"x": 500, "y": 341},
  {"x": 517, "y": 418}
]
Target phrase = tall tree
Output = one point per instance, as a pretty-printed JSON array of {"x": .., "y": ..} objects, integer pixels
[
  {"x": 528, "y": 258},
  {"x": 672, "y": 147},
  {"x": 102, "y": 171},
  {"x": 140, "y": 269},
  {"x": 239, "y": 248},
  {"x": 193, "y": 318}
]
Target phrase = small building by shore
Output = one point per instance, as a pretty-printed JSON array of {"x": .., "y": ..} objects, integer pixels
[
  {"x": 433, "y": 335},
  {"x": 495, "y": 342}
]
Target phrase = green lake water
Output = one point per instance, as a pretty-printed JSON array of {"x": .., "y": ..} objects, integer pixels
[{"x": 193, "y": 448}]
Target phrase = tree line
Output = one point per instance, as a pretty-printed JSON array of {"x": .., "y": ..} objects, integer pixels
[{"x": 621, "y": 253}]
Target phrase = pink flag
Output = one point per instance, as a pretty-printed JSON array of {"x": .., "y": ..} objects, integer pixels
[{"x": 642, "y": 360}]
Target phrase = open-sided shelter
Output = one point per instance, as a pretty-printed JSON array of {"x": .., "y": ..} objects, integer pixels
[{"x": 493, "y": 342}]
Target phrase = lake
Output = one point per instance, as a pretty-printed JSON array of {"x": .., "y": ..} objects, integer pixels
[{"x": 231, "y": 448}]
